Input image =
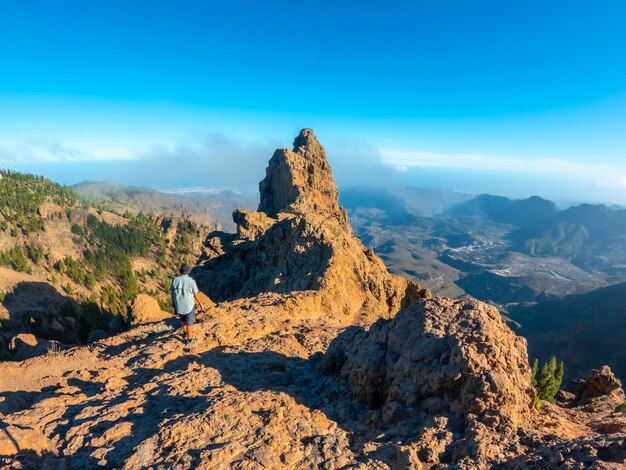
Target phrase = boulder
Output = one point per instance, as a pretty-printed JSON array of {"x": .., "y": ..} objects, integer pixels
[
  {"x": 447, "y": 367},
  {"x": 600, "y": 391},
  {"x": 601, "y": 382},
  {"x": 24, "y": 346},
  {"x": 146, "y": 309}
]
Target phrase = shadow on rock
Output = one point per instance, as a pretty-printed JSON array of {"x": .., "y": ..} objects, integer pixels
[{"x": 39, "y": 309}]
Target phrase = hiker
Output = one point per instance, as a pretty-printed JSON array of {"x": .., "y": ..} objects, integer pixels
[{"x": 184, "y": 298}]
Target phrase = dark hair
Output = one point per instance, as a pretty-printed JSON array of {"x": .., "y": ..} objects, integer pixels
[{"x": 185, "y": 269}]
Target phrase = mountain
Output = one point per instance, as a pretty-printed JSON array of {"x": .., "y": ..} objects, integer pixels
[
  {"x": 496, "y": 249},
  {"x": 527, "y": 213},
  {"x": 212, "y": 209},
  {"x": 299, "y": 241},
  {"x": 593, "y": 237},
  {"x": 316, "y": 357},
  {"x": 585, "y": 330}
]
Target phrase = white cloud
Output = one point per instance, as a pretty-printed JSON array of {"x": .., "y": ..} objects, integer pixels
[
  {"x": 601, "y": 175},
  {"x": 53, "y": 150}
]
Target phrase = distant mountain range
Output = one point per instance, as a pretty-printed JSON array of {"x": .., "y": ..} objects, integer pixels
[
  {"x": 590, "y": 236},
  {"x": 212, "y": 209},
  {"x": 499, "y": 250}
]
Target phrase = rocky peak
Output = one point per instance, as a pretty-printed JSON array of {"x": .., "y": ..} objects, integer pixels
[
  {"x": 299, "y": 180},
  {"x": 300, "y": 244}
]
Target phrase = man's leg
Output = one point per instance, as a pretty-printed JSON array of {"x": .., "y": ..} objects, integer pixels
[{"x": 183, "y": 326}]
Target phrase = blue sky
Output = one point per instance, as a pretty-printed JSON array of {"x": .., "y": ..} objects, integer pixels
[{"x": 511, "y": 97}]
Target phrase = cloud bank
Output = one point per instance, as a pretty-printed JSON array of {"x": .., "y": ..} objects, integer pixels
[
  {"x": 600, "y": 175},
  {"x": 205, "y": 161}
]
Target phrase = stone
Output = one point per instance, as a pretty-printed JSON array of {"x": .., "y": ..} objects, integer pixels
[
  {"x": 601, "y": 382},
  {"x": 25, "y": 346},
  {"x": 600, "y": 391},
  {"x": 251, "y": 224},
  {"x": 17, "y": 438},
  {"x": 459, "y": 351},
  {"x": 146, "y": 309}
]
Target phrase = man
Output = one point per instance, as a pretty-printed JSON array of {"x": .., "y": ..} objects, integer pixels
[{"x": 184, "y": 298}]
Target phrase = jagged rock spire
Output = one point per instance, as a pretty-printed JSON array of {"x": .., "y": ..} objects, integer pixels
[{"x": 299, "y": 180}]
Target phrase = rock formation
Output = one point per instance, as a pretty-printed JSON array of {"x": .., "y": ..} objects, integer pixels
[
  {"x": 600, "y": 391},
  {"x": 300, "y": 181},
  {"x": 300, "y": 241},
  {"x": 448, "y": 371}
]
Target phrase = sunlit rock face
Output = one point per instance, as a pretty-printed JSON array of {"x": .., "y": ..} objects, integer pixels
[{"x": 299, "y": 243}]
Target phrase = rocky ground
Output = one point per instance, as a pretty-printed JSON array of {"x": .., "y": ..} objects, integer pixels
[
  {"x": 348, "y": 367},
  {"x": 268, "y": 390}
]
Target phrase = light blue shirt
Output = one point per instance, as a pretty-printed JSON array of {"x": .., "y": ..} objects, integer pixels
[{"x": 183, "y": 289}]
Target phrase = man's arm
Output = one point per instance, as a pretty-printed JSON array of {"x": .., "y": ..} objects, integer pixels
[
  {"x": 198, "y": 300},
  {"x": 173, "y": 294}
]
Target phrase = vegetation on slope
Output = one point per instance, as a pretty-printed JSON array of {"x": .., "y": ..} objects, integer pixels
[
  {"x": 100, "y": 282},
  {"x": 21, "y": 195}
]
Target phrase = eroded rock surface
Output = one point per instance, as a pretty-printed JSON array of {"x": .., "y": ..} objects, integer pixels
[
  {"x": 447, "y": 370},
  {"x": 300, "y": 180},
  {"x": 300, "y": 241}
]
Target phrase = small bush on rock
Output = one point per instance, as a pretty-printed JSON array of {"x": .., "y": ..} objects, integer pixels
[{"x": 548, "y": 381}]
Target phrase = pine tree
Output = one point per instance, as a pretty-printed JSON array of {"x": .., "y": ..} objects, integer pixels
[{"x": 550, "y": 378}]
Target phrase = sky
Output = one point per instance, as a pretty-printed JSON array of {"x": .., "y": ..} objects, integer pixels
[{"x": 512, "y": 98}]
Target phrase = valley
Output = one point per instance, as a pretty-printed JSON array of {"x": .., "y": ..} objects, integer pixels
[{"x": 478, "y": 248}]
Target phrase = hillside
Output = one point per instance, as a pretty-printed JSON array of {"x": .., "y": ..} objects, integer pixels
[
  {"x": 70, "y": 267},
  {"x": 588, "y": 330},
  {"x": 212, "y": 209},
  {"x": 590, "y": 236}
]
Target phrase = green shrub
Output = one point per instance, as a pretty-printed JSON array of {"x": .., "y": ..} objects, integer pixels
[
  {"x": 15, "y": 259},
  {"x": 3, "y": 295},
  {"x": 34, "y": 252},
  {"x": 78, "y": 230},
  {"x": 621, "y": 408},
  {"x": 548, "y": 379}
]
